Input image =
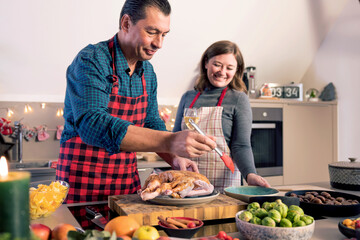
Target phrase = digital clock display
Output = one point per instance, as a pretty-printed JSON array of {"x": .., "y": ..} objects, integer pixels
[{"x": 293, "y": 91}]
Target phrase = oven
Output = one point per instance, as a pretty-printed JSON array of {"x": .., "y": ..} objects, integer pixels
[{"x": 267, "y": 141}]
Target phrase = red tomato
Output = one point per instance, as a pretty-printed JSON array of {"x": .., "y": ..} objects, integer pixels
[
  {"x": 222, "y": 235},
  {"x": 357, "y": 224},
  {"x": 228, "y": 237},
  {"x": 236, "y": 239},
  {"x": 191, "y": 225}
]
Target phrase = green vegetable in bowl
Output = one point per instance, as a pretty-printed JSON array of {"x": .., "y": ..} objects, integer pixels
[
  {"x": 297, "y": 209},
  {"x": 274, "y": 214},
  {"x": 281, "y": 208},
  {"x": 246, "y": 216},
  {"x": 253, "y": 205},
  {"x": 293, "y": 216},
  {"x": 299, "y": 223},
  {"x": 285, "y": 223},
  {"x": 267, "y": 206},
  {"x": 268, "y": 221},
  {"x": 261, "y": 213},
  {"x": 307, "y": 219},
  {"x": 256, "y": 220}
]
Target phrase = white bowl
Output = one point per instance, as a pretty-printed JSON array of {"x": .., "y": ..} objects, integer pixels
[
  {"x": 260, "y": 232},
  {"x": 243, "y": 193}
]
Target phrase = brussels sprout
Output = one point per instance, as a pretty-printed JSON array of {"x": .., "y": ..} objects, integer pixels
[
  {"x": 245, "y": 216},
  {"x": 253, "y": 205},
  {"x": 307, "y": 219},
  {"x": 299, "y": 223},
  {"x": 261, "y": 213},
  {"x": 274, "y": 214},
  {"x": 268, "y": 221},
  {"x": 266, "y": 206},
  {"x": 252, "y": 210},
  {"x": 297, "y": 208},
  {"x": 293, "y": 216},
  {"x": 281, "y": 207},
  {"x": 255, "y": 220},
  {"x": 285, "y": 223}
]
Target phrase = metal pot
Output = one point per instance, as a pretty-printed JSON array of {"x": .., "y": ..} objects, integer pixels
[{"x": 345, "y": 175}]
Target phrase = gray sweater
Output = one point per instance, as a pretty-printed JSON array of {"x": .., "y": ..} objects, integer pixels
[{"x": 236, "y": 122}]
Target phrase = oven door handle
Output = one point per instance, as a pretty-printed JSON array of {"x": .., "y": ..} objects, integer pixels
[{"x": 263, "y": 126}]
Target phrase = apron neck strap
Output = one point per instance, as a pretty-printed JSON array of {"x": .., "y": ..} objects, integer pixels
[
  {"x": 222, "y": 96},
  {"x": 219, "y": 102},
  {"x": 112, "y": 52}
]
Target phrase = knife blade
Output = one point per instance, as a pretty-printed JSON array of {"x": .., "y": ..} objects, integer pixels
[
  {"x": 224, "y": 157},
  {"x": 96, "y": 217}
]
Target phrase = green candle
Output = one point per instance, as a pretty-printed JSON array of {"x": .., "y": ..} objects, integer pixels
[{"x": 14, "y": 203}]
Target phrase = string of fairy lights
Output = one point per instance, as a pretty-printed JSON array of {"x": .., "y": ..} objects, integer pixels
[{"x": 28, "y": 109}]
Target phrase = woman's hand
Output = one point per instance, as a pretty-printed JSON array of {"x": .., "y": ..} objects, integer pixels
[
  {"x": 184, "y": 164},
  {"x": 256, "y": 180}
]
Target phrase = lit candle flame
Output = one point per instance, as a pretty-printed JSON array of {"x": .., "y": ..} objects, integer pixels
[{"x": 3, "y": 167}]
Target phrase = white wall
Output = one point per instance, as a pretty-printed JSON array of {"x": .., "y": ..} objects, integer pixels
[
  {"x": 338, "y": 61},
  {"x": 288, "y": 41},
  {"x": 39, "y": 39}
]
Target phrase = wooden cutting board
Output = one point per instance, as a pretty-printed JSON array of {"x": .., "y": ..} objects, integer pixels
[{"x": 146, "y": 213}]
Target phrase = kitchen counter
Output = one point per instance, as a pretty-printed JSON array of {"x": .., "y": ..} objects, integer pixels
[
  {"x": 152, "y": 164},
  {"x": 326, "y": 228}
]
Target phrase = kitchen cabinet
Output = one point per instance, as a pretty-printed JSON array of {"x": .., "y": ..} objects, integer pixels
[{"x": 309, "y": 141}]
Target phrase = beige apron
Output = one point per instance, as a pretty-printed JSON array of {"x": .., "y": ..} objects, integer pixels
[{"x": 210, "y": 164}]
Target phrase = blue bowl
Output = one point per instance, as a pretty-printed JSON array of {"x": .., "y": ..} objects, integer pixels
[{"x": 244, "y": 193}]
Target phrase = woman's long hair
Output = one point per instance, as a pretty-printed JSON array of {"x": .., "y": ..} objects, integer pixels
[{"x": 219, "y": 48}]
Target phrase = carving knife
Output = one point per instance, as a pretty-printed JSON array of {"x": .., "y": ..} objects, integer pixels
[
  {"x": 96, "y": 217},
  {"x": 226, "y": 159}
]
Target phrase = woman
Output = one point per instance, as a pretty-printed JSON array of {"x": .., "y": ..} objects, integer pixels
[{"x": 224, "y": 112}]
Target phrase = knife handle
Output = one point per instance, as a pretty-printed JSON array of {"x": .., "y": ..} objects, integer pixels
[{"x": 92, "y": 212}]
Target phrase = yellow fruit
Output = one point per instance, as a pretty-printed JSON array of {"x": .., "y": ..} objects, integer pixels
[
  {"x": 146, "y": 232},
  {"x": 122, "y": 225}
]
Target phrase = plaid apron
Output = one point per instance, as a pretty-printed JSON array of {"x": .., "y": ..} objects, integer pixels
[
  {"x": 210, "y": 164},
  {"x": 93, "y": 175}
]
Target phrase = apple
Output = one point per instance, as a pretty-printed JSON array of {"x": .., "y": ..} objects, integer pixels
[
  {"x": 41, "y": 231},
  {"x": 146, "y": 232}
]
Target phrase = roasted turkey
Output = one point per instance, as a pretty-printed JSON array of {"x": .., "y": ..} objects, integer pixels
[{"x": 178, "y": 184}]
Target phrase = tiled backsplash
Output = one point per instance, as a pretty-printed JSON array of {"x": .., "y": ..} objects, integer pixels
[{"x": 39, "y": 151}]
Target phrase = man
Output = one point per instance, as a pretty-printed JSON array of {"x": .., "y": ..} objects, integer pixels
[{"x": 111, "y": 110}]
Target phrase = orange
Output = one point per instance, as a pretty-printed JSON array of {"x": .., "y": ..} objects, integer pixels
[
  {"x": 60, "y": 231},
  {"x": 122, "y": 225}
]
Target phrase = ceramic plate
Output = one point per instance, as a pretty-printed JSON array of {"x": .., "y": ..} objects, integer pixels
[
  {"x": 168, "y": 200},
  {"x": 244, "y": 193}
]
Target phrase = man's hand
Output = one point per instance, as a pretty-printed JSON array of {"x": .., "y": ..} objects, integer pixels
[
  {"x": 256, "y": 180},
  {"x": 190, "y": 144},
  {"x": 184, "y": 164}
]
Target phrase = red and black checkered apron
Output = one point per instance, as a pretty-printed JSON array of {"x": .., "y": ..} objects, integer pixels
[{"x": 92, "y": 173}]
